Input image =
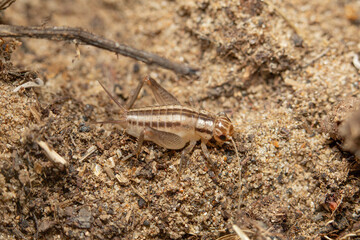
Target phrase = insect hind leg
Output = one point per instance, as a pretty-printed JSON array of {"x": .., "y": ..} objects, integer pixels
[
  {"x": 162, "y": 96},
  {"x": 134, "y": 95}
]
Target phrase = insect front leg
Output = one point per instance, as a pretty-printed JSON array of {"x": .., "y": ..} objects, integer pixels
[{"x": 207, "y": 155}]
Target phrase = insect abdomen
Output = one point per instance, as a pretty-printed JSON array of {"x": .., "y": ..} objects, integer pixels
[{"x": 182, "y": 121}]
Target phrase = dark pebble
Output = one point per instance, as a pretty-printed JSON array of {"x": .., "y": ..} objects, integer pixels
[
  {"x": 136, "y": 68},
  {"x": 141, "y": 203},
  {"x": 24, "y": 224},
  {"x": 146, "y": 223},
  {"x": 297, "y": 40},
  {"x": 84, "y": 128}
]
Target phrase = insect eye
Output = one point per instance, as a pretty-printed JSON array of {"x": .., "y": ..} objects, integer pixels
[{"x": 222, "y": 137}]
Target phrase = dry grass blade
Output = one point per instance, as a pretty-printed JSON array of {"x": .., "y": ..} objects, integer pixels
[
  {"x": 88, "y": 153},
  {"x": 351, "y": 235},
  {"x": 229, "y": 237},
  {"x": 240, "y": 233},
  {"x": 356, "y": 61}
]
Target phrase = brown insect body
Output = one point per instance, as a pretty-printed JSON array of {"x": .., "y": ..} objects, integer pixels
[
  {"x": 185, "y": 122},
  {"x": 172, "y": 125}
]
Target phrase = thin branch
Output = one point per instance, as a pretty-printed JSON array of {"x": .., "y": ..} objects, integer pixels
[
  {"x": 323, "y": 53},
  {"x": 4, "y": 4},
  {"x": 80, "y": 36},
  {"x": 281, "y": 14}
]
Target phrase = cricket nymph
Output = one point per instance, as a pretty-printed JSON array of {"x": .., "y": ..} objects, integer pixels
[
  {"x": 172, "y": 125},
  {"x": 186, "y": 123}
]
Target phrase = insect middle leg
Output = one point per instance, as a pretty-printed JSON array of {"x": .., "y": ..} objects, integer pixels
[
  {"x": 185, "y": 152},
  {"x": 207, "y": 155}
]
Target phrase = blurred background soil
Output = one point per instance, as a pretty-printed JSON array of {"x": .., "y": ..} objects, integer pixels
[{"x": 282, "y": 70}]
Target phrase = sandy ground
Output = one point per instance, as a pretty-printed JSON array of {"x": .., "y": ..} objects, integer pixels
[{"x": 277, "y": 68}]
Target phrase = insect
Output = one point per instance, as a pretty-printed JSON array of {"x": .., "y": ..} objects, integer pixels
[{"x": 170, "y": 124}]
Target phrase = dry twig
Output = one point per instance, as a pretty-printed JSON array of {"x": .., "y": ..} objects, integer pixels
[
  {"x": 281, "y": 14},
  {"x": 4, "y": 4},
  {"x": 38, "y": 82},
  {"x": 323, "y": 53},
  {"x": 53, "y": 156},
  {"x": 80, "y": 36}
]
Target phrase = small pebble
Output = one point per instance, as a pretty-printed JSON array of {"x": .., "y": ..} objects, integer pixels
[
  {"x": 84, "y": 128},
  {"x": 141, "y": 203},
  {"x": 297, "y": 40},
  {"x": 136, "y": 68},
  {"x": 228, "y": 160},
  {"x": 146, "y": 223},
  {"x": 97, "y": 170}
]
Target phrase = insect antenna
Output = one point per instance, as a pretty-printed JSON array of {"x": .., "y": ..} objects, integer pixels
[
  {"x": 239, "y": 166},
  {"x": 109, "y": 121},
  {"x": 238, "y": 126}
]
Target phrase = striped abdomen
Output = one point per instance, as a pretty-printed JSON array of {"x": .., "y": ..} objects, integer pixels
[{"x": 182, "y": 121}]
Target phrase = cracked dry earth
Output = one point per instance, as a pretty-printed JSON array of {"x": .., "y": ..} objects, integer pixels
[{"x": 284, "y": 72}]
